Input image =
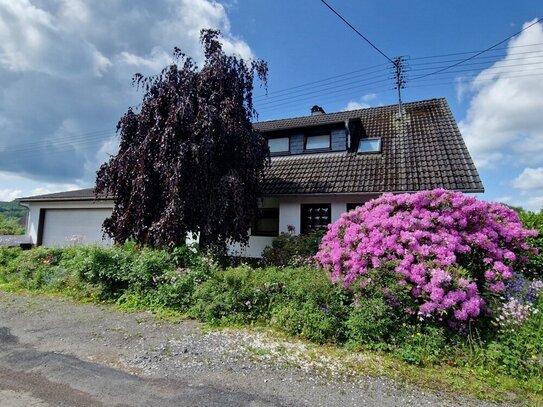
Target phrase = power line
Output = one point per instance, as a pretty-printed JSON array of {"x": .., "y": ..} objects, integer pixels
[
  {"x": 328, "y": 99},
  {"x": 452, "y": 80},
  {"x": 356, "y": 31},
  {"x": 485, "y": 59},
  {"x": 349, "y": 78},
  {"x": 333, "y": 88},
  {"x": 287, "y": 90},
  {"x": 477, "y": 51},
  {"x": 477, "y": 54}
]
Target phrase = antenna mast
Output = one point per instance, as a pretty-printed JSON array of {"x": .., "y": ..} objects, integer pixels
[{"x": 399, "y": 79}]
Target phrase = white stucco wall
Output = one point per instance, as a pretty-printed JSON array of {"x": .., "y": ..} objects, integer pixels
[
  {"x": 85, "y": 218},
  {"x": 289, "y": 207},
  {"x": 256, "y": 245}
]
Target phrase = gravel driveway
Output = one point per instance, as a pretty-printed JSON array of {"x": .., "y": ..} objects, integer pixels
[{"x": 54, "y": 352}]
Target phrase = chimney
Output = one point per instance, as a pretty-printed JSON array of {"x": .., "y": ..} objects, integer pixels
[{"x": 316, "y": 110}]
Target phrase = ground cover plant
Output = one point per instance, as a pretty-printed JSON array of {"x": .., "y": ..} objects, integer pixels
[
  {"x": 377, "y": 310},
  {"x": 10, "y": 226}
]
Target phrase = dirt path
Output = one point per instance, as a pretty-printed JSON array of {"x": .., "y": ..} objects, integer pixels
[{"x": 58, "y": 353}]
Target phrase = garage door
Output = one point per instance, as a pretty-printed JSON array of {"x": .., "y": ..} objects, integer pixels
[{"x": 64, "y": 227}]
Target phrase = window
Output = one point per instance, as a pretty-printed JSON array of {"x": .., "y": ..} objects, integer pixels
[
  {"x": 315, "y": 217},
  {"x": 369, "y": 145},
  {"x": 279, "y": 145},
  {"x": 267, "y": 222},
  {"x": 322, "y": 141}
]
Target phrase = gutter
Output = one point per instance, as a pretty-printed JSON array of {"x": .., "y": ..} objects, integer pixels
[{"x": 465, "y": 191}]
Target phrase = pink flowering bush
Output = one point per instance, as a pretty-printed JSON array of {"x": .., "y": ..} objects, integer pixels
[{"x": 452, "y": 253}]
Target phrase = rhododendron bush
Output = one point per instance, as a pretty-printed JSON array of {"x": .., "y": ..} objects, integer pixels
[{"x": 452, "y": 253}]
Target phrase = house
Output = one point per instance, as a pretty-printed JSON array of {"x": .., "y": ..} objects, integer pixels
[{"x": 322, "y": 165}]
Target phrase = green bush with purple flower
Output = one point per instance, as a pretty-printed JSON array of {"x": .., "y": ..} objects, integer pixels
[{"x": 454, "y": 254}]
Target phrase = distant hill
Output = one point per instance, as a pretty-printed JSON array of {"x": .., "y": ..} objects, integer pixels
[
  {"x": 12, "y": 218},
  {"x": 13, "y": 210}
]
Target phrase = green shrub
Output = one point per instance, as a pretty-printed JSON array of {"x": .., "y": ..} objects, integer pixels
[
  {"x": 421, "y": 344},
  {"x": 289, "y": 249},
  {"x": 531, "y": 220},
  {"x": 308, "y": 320},
  {"x": 28, "y": 269},
  {"x": 8, "y": 256},
  {"x": 371, "y": 324},
  {"x": 10, "y": 226},
  {"x": 299, "y": 300},
  {"x": 519, "y": 351}
]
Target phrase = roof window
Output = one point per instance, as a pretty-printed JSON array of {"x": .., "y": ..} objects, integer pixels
[{"x": 369, "y": 145}]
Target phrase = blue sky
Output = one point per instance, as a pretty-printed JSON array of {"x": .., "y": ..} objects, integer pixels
[{"x": 66, "y": 66}]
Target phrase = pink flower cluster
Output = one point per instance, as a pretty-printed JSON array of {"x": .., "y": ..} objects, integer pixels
[{"x": 446, "y": 246}]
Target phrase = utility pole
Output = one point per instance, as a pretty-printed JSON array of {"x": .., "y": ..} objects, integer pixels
[{"x": 399, "y": 79}]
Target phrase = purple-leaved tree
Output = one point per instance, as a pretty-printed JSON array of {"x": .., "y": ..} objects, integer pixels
[{"x": 189, "y": 161}]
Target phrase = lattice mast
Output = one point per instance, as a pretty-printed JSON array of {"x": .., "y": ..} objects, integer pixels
[{"x": 399, "y": 80}]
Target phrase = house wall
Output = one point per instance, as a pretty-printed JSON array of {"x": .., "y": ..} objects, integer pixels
[
  {"x": 87, "y": 218},
  {"x": 290, "y": 209}
]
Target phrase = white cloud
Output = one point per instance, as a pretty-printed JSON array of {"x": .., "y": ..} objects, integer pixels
[
  {"x": 504, "y": 124},
  {"x": 504, "y": 199},
  {"x": 362, "y": 103},
  {"x": 529, "y": 179},
  {"x": 503, "y": 127},
  {"x": 534, "y": 203},
  {"x": 65, "y": 75},
  {"x": 10, "y": 194}
]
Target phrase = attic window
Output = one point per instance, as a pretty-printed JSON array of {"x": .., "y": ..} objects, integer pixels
[
  {"x": 279, "y": 145},
  {"x": 317, "y": 142},
  {"x": 369, "y": 145}
]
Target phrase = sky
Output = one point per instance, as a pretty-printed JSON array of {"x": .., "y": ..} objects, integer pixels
[{"x": 66, "y": 68}]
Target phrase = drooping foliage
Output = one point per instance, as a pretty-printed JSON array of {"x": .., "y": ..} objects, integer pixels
[
  {"x": 189, "y": 161},
  {"x": 453, "y": 254}
]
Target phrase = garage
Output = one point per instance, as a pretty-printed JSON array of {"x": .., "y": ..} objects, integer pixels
[{"x": 65, "y": 227}]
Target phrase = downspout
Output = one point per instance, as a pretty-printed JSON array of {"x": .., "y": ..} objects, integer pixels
[{"x": 27, "y": 227}]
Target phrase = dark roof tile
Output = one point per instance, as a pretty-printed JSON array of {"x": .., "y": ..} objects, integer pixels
[{"x": 429, "y": 153}]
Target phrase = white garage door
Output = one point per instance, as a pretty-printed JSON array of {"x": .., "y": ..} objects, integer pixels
[{"x": 65, "y": 227}]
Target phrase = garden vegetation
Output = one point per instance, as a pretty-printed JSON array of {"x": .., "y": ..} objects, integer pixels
[{"x": 428, "y": 279}]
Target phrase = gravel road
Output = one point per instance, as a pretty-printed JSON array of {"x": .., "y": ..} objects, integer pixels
[{"x": 54, "y": 352}]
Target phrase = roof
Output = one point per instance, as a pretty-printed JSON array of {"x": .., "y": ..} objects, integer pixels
[
  {"x": 76, "y": 195},
  {"x": 427, "y": 152}
]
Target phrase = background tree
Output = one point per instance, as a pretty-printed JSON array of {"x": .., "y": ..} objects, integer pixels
[{"x": 190, "y": 160}]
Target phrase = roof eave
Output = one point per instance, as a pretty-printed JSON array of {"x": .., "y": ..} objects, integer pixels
[{"x": 30, "y": 200}]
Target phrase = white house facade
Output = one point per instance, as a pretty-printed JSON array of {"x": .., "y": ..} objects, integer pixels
[{"x": 321, "y": 166}]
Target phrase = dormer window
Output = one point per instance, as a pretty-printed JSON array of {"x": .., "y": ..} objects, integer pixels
[
  {"x": 279, "y": 145},
  {"x": 369, "y": 145},
  {"x": 317, "y": 142}
]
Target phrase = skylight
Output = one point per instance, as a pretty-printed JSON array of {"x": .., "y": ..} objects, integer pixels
[{"x": 369, "y": 145}]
